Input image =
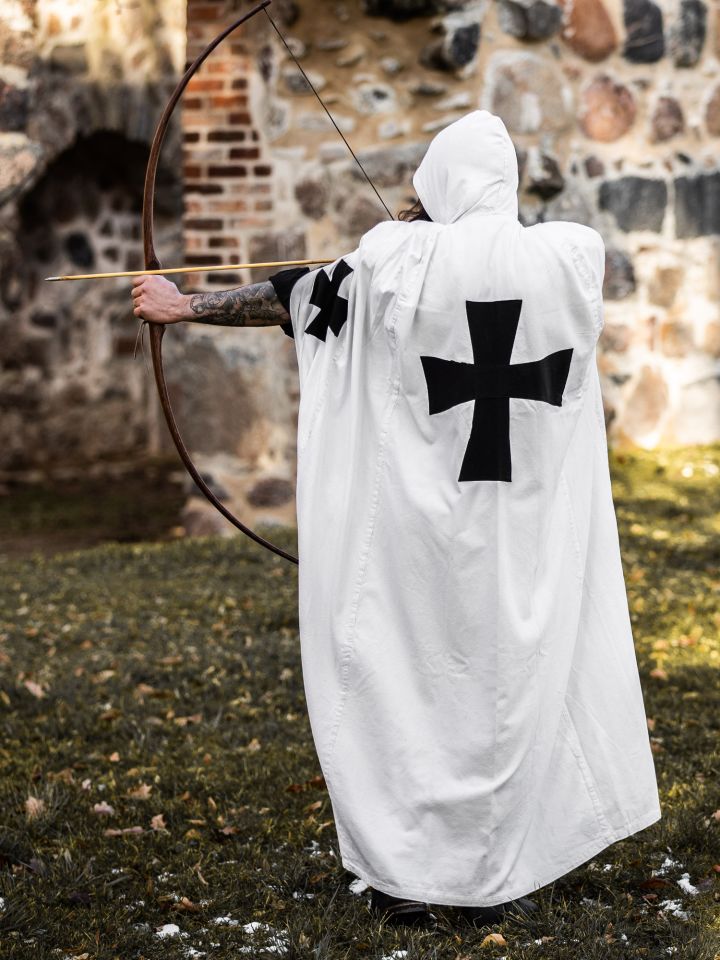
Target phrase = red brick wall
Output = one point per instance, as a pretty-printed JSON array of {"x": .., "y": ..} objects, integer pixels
[{"x": 227, "y": 175}]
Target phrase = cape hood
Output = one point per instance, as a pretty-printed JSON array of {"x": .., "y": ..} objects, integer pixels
[{"x": 470, "y": 167}]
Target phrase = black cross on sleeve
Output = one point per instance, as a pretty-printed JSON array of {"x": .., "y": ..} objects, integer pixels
[{"x": 283, "y": 282}]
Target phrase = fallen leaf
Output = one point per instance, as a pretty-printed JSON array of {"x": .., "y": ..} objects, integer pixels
[
  {"x": 114, "y": 757},
  {"x": 158, "y": 822},
  {"x": 103, "y": 809},
  {"x": 313, "y": 806},
  {"x": 184, "y": 903},
  {"x": 34, "y": 807},
  {"x": 659, "y": 674},
  {"x": 494, "y": 939},
  {"x": 141, "y": 792},
  {"x": 34, "y": 688},
  {"x": 116, "y": 832},
  {"x": 184, "y": 721}
]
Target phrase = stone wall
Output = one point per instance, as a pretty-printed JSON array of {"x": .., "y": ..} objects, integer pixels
[
  {"x": 82, "y": 83},
  {"x": 614, "y": 109}
]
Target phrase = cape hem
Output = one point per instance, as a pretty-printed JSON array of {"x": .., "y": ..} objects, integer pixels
[{"x": 448, "y": 898}]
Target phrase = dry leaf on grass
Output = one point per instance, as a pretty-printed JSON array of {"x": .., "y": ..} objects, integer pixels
[
  {"x": 494, "y": 939},
  {"x": 141, "y": 792},
  {"x": 35, "y": 689},
  {"x": 116, "y": 832},
  {"x": 34, "y": 807},
  {"x": 103, "y": 809},
  {"x": 158, "y": 822}
]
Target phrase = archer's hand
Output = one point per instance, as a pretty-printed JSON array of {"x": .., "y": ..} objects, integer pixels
[{"x": 159, "y": 300}]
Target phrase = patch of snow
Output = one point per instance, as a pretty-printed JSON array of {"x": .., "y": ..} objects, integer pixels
[
  {"x": 667, "y": 864},
  {"x": 686, "y": 886},
  {"x": 674, "y": 907},
  {"x": 192, "y": 952},
  {"x": 607, "y": 866},
  {"x": 226, "y": 922},
  {"x": 297, "y": 895},
  {"x": 358, "y": 886},
  {"x": 2, "y": 903},
  {"x": 277, "y": 942},
  {"x": 164, "y": 877},
  {"x": 169, "y": 930},
  {"x": 399, "y": 954}
]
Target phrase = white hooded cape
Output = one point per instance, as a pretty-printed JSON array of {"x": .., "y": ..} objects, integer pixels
[{"x": 466, "y": 645}]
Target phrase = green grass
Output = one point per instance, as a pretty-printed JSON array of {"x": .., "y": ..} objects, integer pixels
[{"x": 164, "y": 680}]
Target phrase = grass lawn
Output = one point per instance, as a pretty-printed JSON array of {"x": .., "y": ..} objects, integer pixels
[{"x": 160, "y": 795}]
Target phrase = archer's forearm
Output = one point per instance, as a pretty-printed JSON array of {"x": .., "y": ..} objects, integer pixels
[{"x": 252, "y": 305}]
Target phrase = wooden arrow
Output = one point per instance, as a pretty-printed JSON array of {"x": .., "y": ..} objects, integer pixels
[{"x": 150, "y": 273}]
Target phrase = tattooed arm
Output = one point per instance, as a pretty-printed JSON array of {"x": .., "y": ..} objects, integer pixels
[{"x": 252, "y": 305}]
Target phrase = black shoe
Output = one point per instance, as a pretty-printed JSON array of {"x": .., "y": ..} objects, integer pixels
[
  {"x": 394, "y": 911},
  {"x": 520, "y": 909}
]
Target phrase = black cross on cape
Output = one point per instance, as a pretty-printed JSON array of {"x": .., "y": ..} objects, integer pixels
[
  {"x": 333, "y": 308},
  {"x": 490, "y": 380}
]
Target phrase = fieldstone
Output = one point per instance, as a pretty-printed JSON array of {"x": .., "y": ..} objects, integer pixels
[
  {"x": 636, "y": 203},
  {"x": 529, "y": 19},
  {"x": 358, "y": 214},
  {"x": 282, "y": 245},
  {"x": 696, "y": 411},
  {"x": 676, "y": 338},
  {"x": 330, "y": 44},
  {"x": 608, "y": 109},
  {"x": 644, "y": 38},
  {"x": 390, "y": 129},
  {"x": 711, "y": 338},
  {"x": 351, "y": 57},
  {"x": 458, "y": 101},
  {"x": 13, "y": 106},
  {"x": 432, "y": 126},
  {"x": 615, "y": 337},
  {"x": 712, "y": 112},
  {"x": 19, "y": 158},
  {"x": 574, "y": 204},
  {"x": 312, "y": 196},
  {"x": 667, "y": 119},
  {"x": 587, "y": 29},
  {"x": 270, "y": 492},
  {"x": 400, "y": 9},
  {"x": 321, "y": 122},
  {"x": 544, "y": 177},
  {"x": 372, "y": 98},
  {"x": 201, "y": 519},
  {"x": 457, "y": 48},
  {"x": 664, "y": 285},
  {"x": 390, "y": 166},
  {"x": 392, "y": 66},
  {"x": 687, "y": 37},
  {"x": 646, "y": 403},
  {"x": 619, "y": 278},
  {"x": 296, "y": 83},
  {"x": 528, "y": 93},
  {"x": 594, "y": 167},
  {"x": 71, "y": 58},
  {"x": 697, "y": 205},
  {"x": 429, "y": 88},
  {"x": 297, "y": 47}
]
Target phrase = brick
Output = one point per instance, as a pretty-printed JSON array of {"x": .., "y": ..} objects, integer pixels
[
  {"x": 240, "y": 83},
  {"x": 233, "y": 171},
  {"x": 192, "y": 171},
  {"x": 205, "y": 84},
  {"x": 229, "y": 100},
  {"x": 206, "y": 223},
  {"x": 244, "y": 153},
  {"x": 205, "y": 260},
  {"x": 262, "y": 170},
  {"x": 232, "y": 242},
  {"x": 226, "y": 136},
  {"x": 241, "y": 119},
  {"x": 203, "y": 188},
  {"x": 191, "y": 136}
]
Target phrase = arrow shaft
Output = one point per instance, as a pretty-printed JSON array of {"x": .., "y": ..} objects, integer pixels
[{"x": 150, "y": 273}]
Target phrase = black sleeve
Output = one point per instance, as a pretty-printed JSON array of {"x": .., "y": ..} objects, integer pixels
[{"x": 283, "y": 282}]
